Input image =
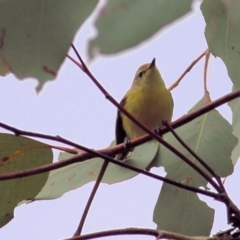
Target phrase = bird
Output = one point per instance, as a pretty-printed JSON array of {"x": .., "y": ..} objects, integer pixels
[{"x": 148, "y": 100}]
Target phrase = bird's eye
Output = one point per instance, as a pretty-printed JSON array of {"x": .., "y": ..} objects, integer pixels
[{"x": 141, "y": 74}]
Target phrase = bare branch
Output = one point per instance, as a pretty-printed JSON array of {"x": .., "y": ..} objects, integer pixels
[
  {"x": 75, "y": 61},
  {"x": 144, "y": 232}
]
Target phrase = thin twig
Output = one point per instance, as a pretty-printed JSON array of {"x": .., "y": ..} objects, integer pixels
[
  {"x": 219, "y": 180},
  {"x": 91, "y": 197},
  {"x": 175, "y": 84},
  {"x": 75, "y": 61},
  {"x": 159, "y": 234}
]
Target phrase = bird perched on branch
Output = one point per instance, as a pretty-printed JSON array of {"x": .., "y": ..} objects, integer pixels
[{"x": 148, "y": 100}]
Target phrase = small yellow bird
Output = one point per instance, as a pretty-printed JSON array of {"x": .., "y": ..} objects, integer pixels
[{"x": 148, "y": 100}]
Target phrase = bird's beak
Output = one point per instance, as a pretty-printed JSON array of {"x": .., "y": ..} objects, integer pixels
[{"x": 152, "y": 64}]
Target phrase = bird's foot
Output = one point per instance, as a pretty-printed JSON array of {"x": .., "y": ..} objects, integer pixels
[
  {"x": 127, "y": 145},
  {"x": 158, "y": 131}
]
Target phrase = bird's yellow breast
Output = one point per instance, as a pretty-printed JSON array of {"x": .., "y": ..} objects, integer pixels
[{"x": 150, "y": 105}]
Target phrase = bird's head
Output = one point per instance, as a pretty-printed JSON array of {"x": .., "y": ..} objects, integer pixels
[{"x": 148, "y": 74}]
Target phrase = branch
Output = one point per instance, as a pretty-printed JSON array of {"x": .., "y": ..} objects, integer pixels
[
  {"x": 143, "y": 231},
  {"x": 75, "y": 61},
  {"x": 233, "y": 212}
]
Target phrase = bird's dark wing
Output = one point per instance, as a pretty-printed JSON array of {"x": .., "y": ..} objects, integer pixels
[{"x": 120, "y": 133}]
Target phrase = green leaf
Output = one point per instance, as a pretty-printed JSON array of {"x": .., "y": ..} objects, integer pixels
[
  {"x": 123, "y": 24},
  {"x": 222, "y": 33},
  {"x": 74, "y": 176},
  {"x": 235, "y": 107},
  {"x": 181, "y": 211},
  {"x": 233, "y": 8},
  {"x": 20, "y": 153},
  {"x": 35, "y": 35},
  {"x": 210, "y": 137}
]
